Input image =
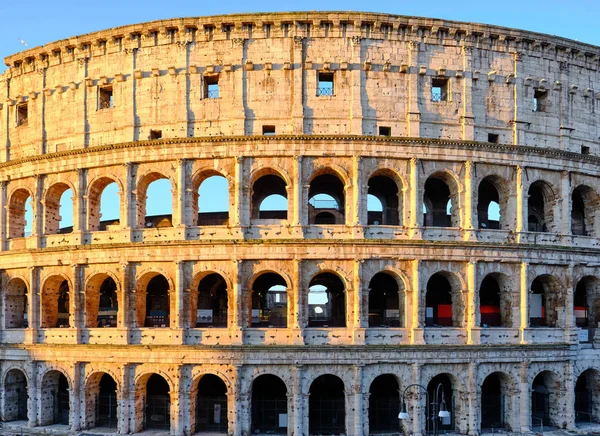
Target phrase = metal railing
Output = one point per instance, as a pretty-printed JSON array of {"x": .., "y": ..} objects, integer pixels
[
  {"x": 325, "y": 91},
  {"x": 214, "y": 93}
]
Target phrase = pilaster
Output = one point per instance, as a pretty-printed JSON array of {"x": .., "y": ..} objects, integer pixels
[
  {"x": 298, "y": 83},
  {"x": 524, "y": 304},
  {"x": 467, "y": 118},
  {"x": 468, "y": 202},
  {"x": 356, "y": 109},
  {"x": 413, "y": 114}
]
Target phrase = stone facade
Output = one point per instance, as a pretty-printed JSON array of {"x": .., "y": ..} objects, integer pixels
[{"x": 168, "y": 323}]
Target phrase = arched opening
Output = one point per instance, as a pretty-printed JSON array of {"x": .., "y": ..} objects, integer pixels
[
  {"x": 545, "y": 394},
  {"x": 212, "y": 201},
  {"x": 384, "y": 405},
  {"x": 326, "y": 200},
  {"x": 269, "y": 301},
  {"x": 210, "y": 308},
  {"x": 15, "y": 310},
  {"x": 587, "y": 397},
  {"x": 385, "y": 211},
  {"x": 157, "y": 302},
  {"x": 102, "y": 303},
  {"x": 495, "y": 402},
  {"x": 327, "y": 408},
  {"x": 54, "y": 399},
  {"x": 55, "y": 303},
  {"x": 586, "y": 304},
  {"x": 59, "y": 209},
  {"x": 157, "y": 410},
  {"x": 154, "y": 202},
  {"x": 326, "y": 301},
  {"x": 384, "y": 301},
  {"x": 15, "y": 396},
  {"x": 438, "y": 302},
  {"x": 19, "y": 214},
  {"x": 439, "y": 202},
  {"x": 211, "y": 409},
  {"x": 584, "y": 203},
  {"x": 544, "y": 298},
  {"x": 494, "y": 301},
  {"x": 540, "y": 203},
  {"x": 581, "y": 304},
  {"x": 269, "y": 198},
  {"x": 101, "y": 401},
  {"x": 103, "y": 204},
  {"x": 488, "y": 205},
  {"x": 441, "y": 395},
  {"x": 269, "y": 405}
]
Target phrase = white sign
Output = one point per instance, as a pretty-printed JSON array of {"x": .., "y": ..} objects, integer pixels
[
  {"x": 217, "y": 414},
  {"x": 283, "y": 420},
  {"x": 584, "y": 335}
]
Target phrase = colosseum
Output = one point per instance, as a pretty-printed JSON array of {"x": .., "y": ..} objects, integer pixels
[{"x": 432, "y": 265}]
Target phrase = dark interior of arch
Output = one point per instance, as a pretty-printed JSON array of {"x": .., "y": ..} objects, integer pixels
[
  {"x": 15, "y": 396},
  {"x": 212, "y": 301},
  {"x": 269, "y": 401},
  {"x": 106, "y": 406},
  {"x": 327, "y": 411},
  {"x": 158, "y": 403},
  {"x": 157, "y": 302},
  {"x": 489, "y": 302},
  {"x": 536, "y": 208},
  {"x": 264, "y": 187},
  {"x": 492, "y": 403},
  {"x": 487, "y": 194},
  {"x": 580, "y": 303},
  {"x": 384, "y": 405},
  {"x": 384, "y": 301},
  {"x": 441, "y": 393},
  {"x": 63, "y": 319},
  {"x": 438, "y": 302},
  {"x": 333, "y": 312},
  {"x": 108, "y": 304},
  {"x": 436, "y": 198},
  {"x": 386, "y": 190},
  {"x": 269, "y": 306},
  {"x": 542, "y": 302},
  {"x": 211, "y": 406},
  {"x": 541, "y": 400},
  {"x": 330, "y": 185},
  {"x": 578, "y": 211}
]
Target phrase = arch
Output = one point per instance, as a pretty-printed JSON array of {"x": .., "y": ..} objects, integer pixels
[
  {"x": 161, "y": 220},
  {"x": 96, "y": 188},
  {"x": 16, "y": 393},
  {"x": 440, "y": 200},
  {"x": 545, "y": 300},
  {"x": 495, "y": 301},
  {"x": 545, "y": 400},
  {"x": 101, "y": 400},
  {"x": 268, "y": 300},
  {"x": 496, "y": 401},
  {"x": 101, "y": 301},
  {"x": 268, "y": 185},
  {"x": 492, "y": 202},
  {"x": 586, "y": 302},
  {"x": 210, "y": 404},
  {"x": 386, "y": 301},
  {"x": 587, "y": 396},
  {"x": 152, "y": 300},
  {"x": 584, "y": 202},
  {"x": 326, "y": 194},
  {"x": 326, "y": 301},
  {"x": 443, "y": 302},
  {"x": 442, "y": 392},
  {"x": 326, "y": 406},
  {"x": 54, "y": 398},
  {"x": 209, "y": 305},
  {"x": 540, "y": 207},
  {"x": 269, "y": 401},
  {"x": 154, "y": 401},
  {"x": 17, "y": 210},
  {"x": 204, "y": 213},
  {"x": 16, "y": 304},
  {"x": 56, "y": 290},
  {"x": 54, "y": 210},
  {"x": 384, "y": 405},
  {"x": 386, "y": 186}
]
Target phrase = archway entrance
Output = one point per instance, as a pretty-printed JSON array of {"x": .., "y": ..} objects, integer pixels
[
  {"x": 15, "y": 396},
  {"x": 384, "y": 405},
  {"x": 445, "y": 397},
  {"x": 211, "y": 409},
  {"x": 269, "y": 405},
  {"x": 54, "y": 399},
  {"x": 327, "y": 409},
  {"x": 158, "y": 404},
  {"x": 106, "y": 405}
]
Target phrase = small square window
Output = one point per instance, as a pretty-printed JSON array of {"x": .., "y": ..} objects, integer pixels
[
  {"x": 22, "y": 114},
  {"x": 211, "y": 86},
  {"x": 325, "y": 84},
  {"x": 105, "y": 97},
  {"x": 540, "y": 100},
  {"x": 155, "y": 134},
  {"x": 493, "y": 138},
  {"x": 439, "y": 89},
  {"x": 385, "y": 131},
  {"x": 268, "y": 130},
  {"x": 585, "y": 149}
]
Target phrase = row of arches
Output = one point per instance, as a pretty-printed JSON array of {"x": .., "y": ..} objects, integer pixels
[
  {"x": 271, "y": 402},
  {"x": 267, "y": 304},
  {"x": 212, "y": 195}
]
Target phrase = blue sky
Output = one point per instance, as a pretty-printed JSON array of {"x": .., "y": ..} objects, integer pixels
[{"x": 39, "y": 22}]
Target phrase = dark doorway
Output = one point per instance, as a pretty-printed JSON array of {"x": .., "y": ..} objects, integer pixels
[
  {"x": 327, "y": 408},
  {"x": 212, "y": 302},
  {"x": 492, "y": 403},
  {"x": 211, "y": 409},
  {"x": 158, "y": 404},
  {"x": 384, "y": 297},
  {"x": 157, "y": 302},
  {"x": 438, "y": 302},
  {"x": 384, "y": 405},
  {"x": 326, "y": 301},
  {"x": 106, "y": 405},
  {"x": 269, "y": 405},
  {"x": 441, "y": 395},
  {"x": 15, "y": 396}
]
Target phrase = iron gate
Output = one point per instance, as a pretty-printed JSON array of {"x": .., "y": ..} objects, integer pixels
[{"x": 106, "y": 410}]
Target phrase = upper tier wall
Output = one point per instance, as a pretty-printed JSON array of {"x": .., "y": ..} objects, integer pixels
[{"x": 268, "y": 68}]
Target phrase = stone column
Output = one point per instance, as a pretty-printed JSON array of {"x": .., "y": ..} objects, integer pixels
[
  {"x": 519, "y": 117},
  {"x": 415, "y": 216},
  {"x": 33, "y": 395},
  {"x": 236, "y": 306},
  {"x": 524, "y": 304},
  {"x": 298, "y": 219},
  {"x": 77, "y": 302},
  {"x": 296, "y": 306},
  {"x": 359, "y": 320},
  {"x": 123, "y": 401},
  {"x": 237, "y": 217},
  {"x": 359, "y": 204},
  {"x": 74, "y": 394},
  {"x": 38, "y": 212},
  {"x": 297, "y": 83},
  {"x": 474, "y": 400},
  {"x": 417, "y": 313},
  {"x": 128, "y": 212},
  {"x": 569, "y": 307},
  {"x": 472, "y": 309},
  {"x": 467, "y": 118},
  {"x": 356, "y": 74},
  {"x": 4, "y": 216},
  {"x": 468, "y": 203},
  {"x": 80, "y": 203},
  {"x": 296, "y": 424},
  {"x": 124, "y": 318},
  {"x": 525, "y": 394},
  {"x": 413, "y": 114},
  {"x": 180, "y": 212},
  {"x": 179, "y": 308},
  {"x": 360, "y": 426},
  {"x": 33, "y": 303},
  {"x": 565, "y": 204},
  {"x": 237, "y": 111},
  {"x": 568, "y": 391},
  {"x": 521, "y": 216}
]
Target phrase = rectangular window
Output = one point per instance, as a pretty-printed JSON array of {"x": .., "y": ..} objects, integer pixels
[
  {"x": 439, "y": 89},
  {"x": 22, "y": 114},
  {"x": 211, "y": 86},
  {"x": 105, "y": 97},
  {"x": 540, "y": 100},
  {"x": 268, "y": 130},
  {"x": 493, "y": 138},
  {"x": 585, "y": 149},
  {"x": 385, "y": 131},
  {"x": 155, "y": 134},
  {"x": 325, "y": 84}
]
